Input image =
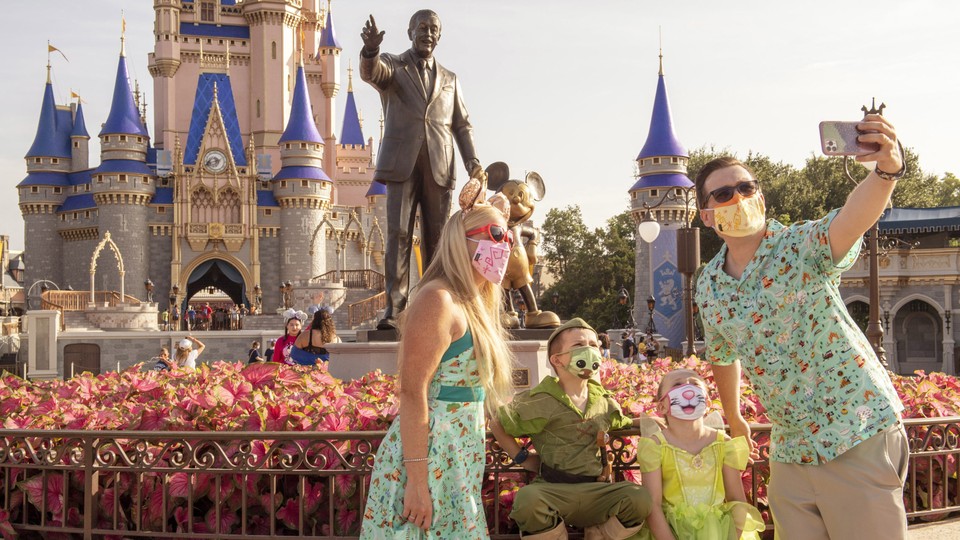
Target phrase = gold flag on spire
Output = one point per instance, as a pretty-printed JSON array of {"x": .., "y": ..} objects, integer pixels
[
  {"x": 123, "y": 23},
  {"x": 51, "y": 48},
  {"x": 76, "y": 96}
]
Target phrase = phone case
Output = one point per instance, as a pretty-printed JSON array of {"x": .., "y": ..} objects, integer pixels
[{"x": 840, "y": 139}]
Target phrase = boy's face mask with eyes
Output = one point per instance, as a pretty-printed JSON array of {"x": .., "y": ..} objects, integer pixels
[{"x": 584, "y": 361}]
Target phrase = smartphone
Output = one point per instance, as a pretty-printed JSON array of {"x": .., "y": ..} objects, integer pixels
[{"x": 840, "y": 139}]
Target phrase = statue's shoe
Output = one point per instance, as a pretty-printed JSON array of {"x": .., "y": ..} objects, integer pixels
[{"x": 541, "y": 319}]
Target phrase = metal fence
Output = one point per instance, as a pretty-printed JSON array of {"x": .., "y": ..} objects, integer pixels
[{"x": 148, "y": 484}]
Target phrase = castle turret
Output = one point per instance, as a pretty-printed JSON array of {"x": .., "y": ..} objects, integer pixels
[
  {"x": 44, "y": 188},
  {"x": 328, "y": 53},
  {"x": 79, "y": 141},
  {"x": 354, "y": 155},
  {"x": 662, "y": 179},
  {"x": 123, "y": 186},
  {"x": 302, "y": 189}
]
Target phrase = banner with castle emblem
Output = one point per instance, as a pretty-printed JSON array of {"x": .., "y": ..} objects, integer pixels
[{"x": 666, "y": 286}]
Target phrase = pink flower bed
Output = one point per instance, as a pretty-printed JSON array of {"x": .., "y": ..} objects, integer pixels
[{"x": 270, "y": 397}]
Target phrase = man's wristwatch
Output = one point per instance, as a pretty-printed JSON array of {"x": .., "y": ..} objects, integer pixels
[
  {"x": 892, "y": 176},
  {"x": 521, "y": 456}
]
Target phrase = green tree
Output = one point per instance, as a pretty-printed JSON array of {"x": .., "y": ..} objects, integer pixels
[
  {"x": 590, "y": 275},
  {"x": 563, "y": 235}
]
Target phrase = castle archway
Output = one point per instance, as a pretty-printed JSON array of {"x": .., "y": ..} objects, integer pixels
[{"x": 218, "y": 274}]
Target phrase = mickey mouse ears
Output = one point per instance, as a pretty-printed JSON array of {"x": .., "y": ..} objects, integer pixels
[{"x": 473, "y": 193}]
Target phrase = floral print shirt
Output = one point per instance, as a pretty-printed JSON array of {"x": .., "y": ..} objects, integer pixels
[{"x": 812, "y": 367}]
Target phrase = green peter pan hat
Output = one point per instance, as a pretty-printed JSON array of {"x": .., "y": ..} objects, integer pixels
[{"x": 576, "y": 322}]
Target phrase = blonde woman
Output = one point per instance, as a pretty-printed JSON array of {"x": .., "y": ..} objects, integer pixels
[
  {"x": 454, "y": 365},
  {"x": 186, "y": 355}
]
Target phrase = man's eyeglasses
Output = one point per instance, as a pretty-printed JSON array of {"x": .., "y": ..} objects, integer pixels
[
  {"x": 495, "y": 232},
  {"x": 724, "y": 194}
]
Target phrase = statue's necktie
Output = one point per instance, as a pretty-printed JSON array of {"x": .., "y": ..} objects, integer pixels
[{"x": 425, "y": 78}]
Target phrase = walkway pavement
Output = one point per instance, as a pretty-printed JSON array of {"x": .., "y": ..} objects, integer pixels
[{"x": 941, "y": 530}]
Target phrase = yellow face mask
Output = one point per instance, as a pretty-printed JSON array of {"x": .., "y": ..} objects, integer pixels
[{"x": 740, "y": 216}]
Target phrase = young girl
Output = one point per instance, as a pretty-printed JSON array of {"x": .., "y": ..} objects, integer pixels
[{"x": 693, "y": 471}]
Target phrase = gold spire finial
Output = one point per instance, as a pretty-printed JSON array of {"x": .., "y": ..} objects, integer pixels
[
  {"x": 349, "y": 75},
  {"x": 661, "y": 50},
  {"x": 123, "y": 34},
  {"x": 227, "y": 60},
  {"x": 301, "y": 41}
]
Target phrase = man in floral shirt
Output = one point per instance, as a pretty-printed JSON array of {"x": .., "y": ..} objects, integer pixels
[{"x": 770, "y": 302}]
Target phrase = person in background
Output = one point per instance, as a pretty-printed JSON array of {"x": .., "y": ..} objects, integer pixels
[
  {"x": 629, "y": 348},
  {"x": 186, "y": 355},
  {"x": 254, "y": 354},
  {"x": 604, "y": 345},
  {"x": 321, "y": 331},
  {"x": 191, "y": 318},
  {"x": 268, "y": 354},
  {"x": 165, "y": 319},
  {"x": 176, "y": 318},
  {"x": 284, "y": 345},
  {"x": 163, "y": 361}
]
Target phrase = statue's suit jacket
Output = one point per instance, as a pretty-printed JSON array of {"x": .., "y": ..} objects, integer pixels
[{"x": 411, "y": 120}]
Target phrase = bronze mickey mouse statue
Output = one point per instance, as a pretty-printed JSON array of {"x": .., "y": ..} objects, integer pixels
[{"x": 523, "y": 196}]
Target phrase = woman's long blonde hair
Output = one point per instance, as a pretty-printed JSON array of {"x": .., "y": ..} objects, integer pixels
[{"x": 482, "y": 305}]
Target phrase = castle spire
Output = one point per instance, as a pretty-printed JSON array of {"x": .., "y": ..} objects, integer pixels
[
  {"x": 352, "y": 132},
  {"x": 79, "y": 126},
  {"x": 301, "y": 126},
  {"x": 661, "y": 140},
  {"x": 328, "y": 39},
  {"x": 124, "y": 115},
  {"x": 48, "y": 142}
]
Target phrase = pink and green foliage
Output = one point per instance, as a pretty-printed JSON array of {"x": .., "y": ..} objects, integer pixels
[{"x": 269, "y": 397}]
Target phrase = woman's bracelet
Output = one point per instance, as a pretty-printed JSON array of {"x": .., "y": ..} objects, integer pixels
[{"x": 415, "y": 460}]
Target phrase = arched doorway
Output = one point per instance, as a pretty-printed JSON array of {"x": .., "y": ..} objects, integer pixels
[
  {"x": 919, "y": 337},
  {"x": 218, "y": 274}
]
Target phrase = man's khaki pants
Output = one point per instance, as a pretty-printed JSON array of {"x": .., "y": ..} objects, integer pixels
[{"x": 857, "y": 495}]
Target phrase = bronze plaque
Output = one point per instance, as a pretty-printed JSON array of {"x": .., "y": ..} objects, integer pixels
[{"x": 521, "y": 377}]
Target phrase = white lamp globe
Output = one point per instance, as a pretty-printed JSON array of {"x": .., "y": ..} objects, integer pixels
[{"x": 648, "y": 230}]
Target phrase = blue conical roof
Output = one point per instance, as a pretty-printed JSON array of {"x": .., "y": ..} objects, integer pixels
[
  {"x": 301, "y": 126},
  {"x": 50, "y": 141},
  {"x": 352, "y": 133},
  {"x": 328, "y": 39},
  {"x": 661, "y": 140},
  {"x": 376, "y": 188},
  {"x": 79, "y": 126},
  {"x": 124, "y": 116}
]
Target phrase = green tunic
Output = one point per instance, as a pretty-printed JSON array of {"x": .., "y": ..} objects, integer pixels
[{"x": 565, "y": 437}]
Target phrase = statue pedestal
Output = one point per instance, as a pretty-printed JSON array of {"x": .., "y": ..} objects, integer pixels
[{"x": 353, "y": 360}]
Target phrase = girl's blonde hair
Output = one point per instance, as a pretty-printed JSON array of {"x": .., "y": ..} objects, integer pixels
[{"x": 482, "y": 305}]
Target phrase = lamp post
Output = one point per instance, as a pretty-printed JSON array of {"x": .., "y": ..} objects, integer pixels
[
  {"x": 688, "y": 248},
  {"x": 874, "y": 328},
  {"x": 148, "y": 285}
]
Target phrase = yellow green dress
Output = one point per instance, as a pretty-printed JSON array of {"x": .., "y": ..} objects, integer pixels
[{"x": 693, "y": 493}]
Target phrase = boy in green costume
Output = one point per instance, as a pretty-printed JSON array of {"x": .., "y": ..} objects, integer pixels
[{"x": 563, "y": 416}]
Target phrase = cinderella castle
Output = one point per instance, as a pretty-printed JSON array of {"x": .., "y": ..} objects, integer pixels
[{"x": 244, "y": 186}]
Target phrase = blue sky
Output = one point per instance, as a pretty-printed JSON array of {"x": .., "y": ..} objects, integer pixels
[{"x": 566, "y": 88}]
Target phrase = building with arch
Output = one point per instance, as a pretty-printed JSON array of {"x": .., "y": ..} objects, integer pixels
[
  {"x": 244, "y": 182},
  {"x": 919, "y": 274}
]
